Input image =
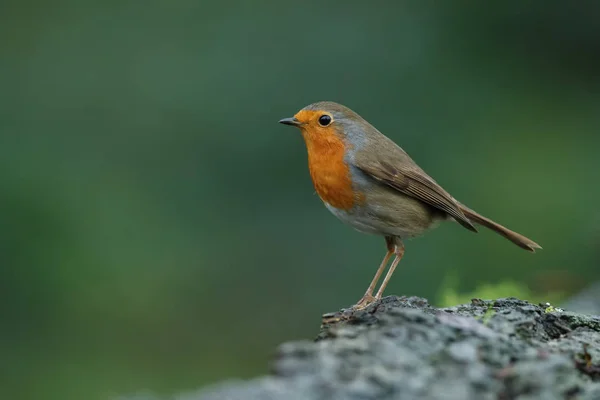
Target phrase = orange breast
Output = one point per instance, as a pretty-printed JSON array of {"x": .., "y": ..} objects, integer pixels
[{"x": 329, "y": 172}]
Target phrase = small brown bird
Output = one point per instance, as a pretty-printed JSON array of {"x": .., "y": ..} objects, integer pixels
[{"x": 370, "y": 183}]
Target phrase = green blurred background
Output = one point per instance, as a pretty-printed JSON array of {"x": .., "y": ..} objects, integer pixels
[{"x": 159, "y": 229}]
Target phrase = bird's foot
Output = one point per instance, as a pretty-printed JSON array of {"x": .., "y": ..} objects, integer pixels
[
  {"x": 364, "y": 302},
  {"x": 346, "y": 314}
]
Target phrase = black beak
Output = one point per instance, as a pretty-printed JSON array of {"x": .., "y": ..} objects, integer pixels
[{"x": 290, "y": 121}]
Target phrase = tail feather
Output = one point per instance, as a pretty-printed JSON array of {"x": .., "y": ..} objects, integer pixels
[{"x": 514, "y": 237}]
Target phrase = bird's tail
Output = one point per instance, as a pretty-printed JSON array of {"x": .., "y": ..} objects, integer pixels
[{"x": 514, "y": 237}]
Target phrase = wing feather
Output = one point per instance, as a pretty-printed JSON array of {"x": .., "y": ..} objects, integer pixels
[{"x": 414, "y": 182}]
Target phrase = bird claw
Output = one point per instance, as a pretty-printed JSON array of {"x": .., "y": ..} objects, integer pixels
[{"x": 364, "y": 302}]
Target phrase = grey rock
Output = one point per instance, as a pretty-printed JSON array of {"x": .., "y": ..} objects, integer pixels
[{"x": 403, "y": 348}]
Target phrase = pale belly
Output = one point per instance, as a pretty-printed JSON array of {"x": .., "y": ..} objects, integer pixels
[{"x": 387, "y": 212}]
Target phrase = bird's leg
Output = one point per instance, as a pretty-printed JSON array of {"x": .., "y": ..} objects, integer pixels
[
  {"x": 368, "y": 297},
  {"x": 399, "y": 251}
]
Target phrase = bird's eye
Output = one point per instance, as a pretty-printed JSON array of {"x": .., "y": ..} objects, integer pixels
[{"x": 324, "y": 120}]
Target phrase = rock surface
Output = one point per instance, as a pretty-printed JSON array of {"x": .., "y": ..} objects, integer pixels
[{"x": 403, "y": 348}]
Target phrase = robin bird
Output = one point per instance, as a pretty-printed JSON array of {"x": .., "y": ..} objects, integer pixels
[{"x": 371, "y": 184}]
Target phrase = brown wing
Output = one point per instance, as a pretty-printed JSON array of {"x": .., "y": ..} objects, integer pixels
[{"x": 412, "y": 181}]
